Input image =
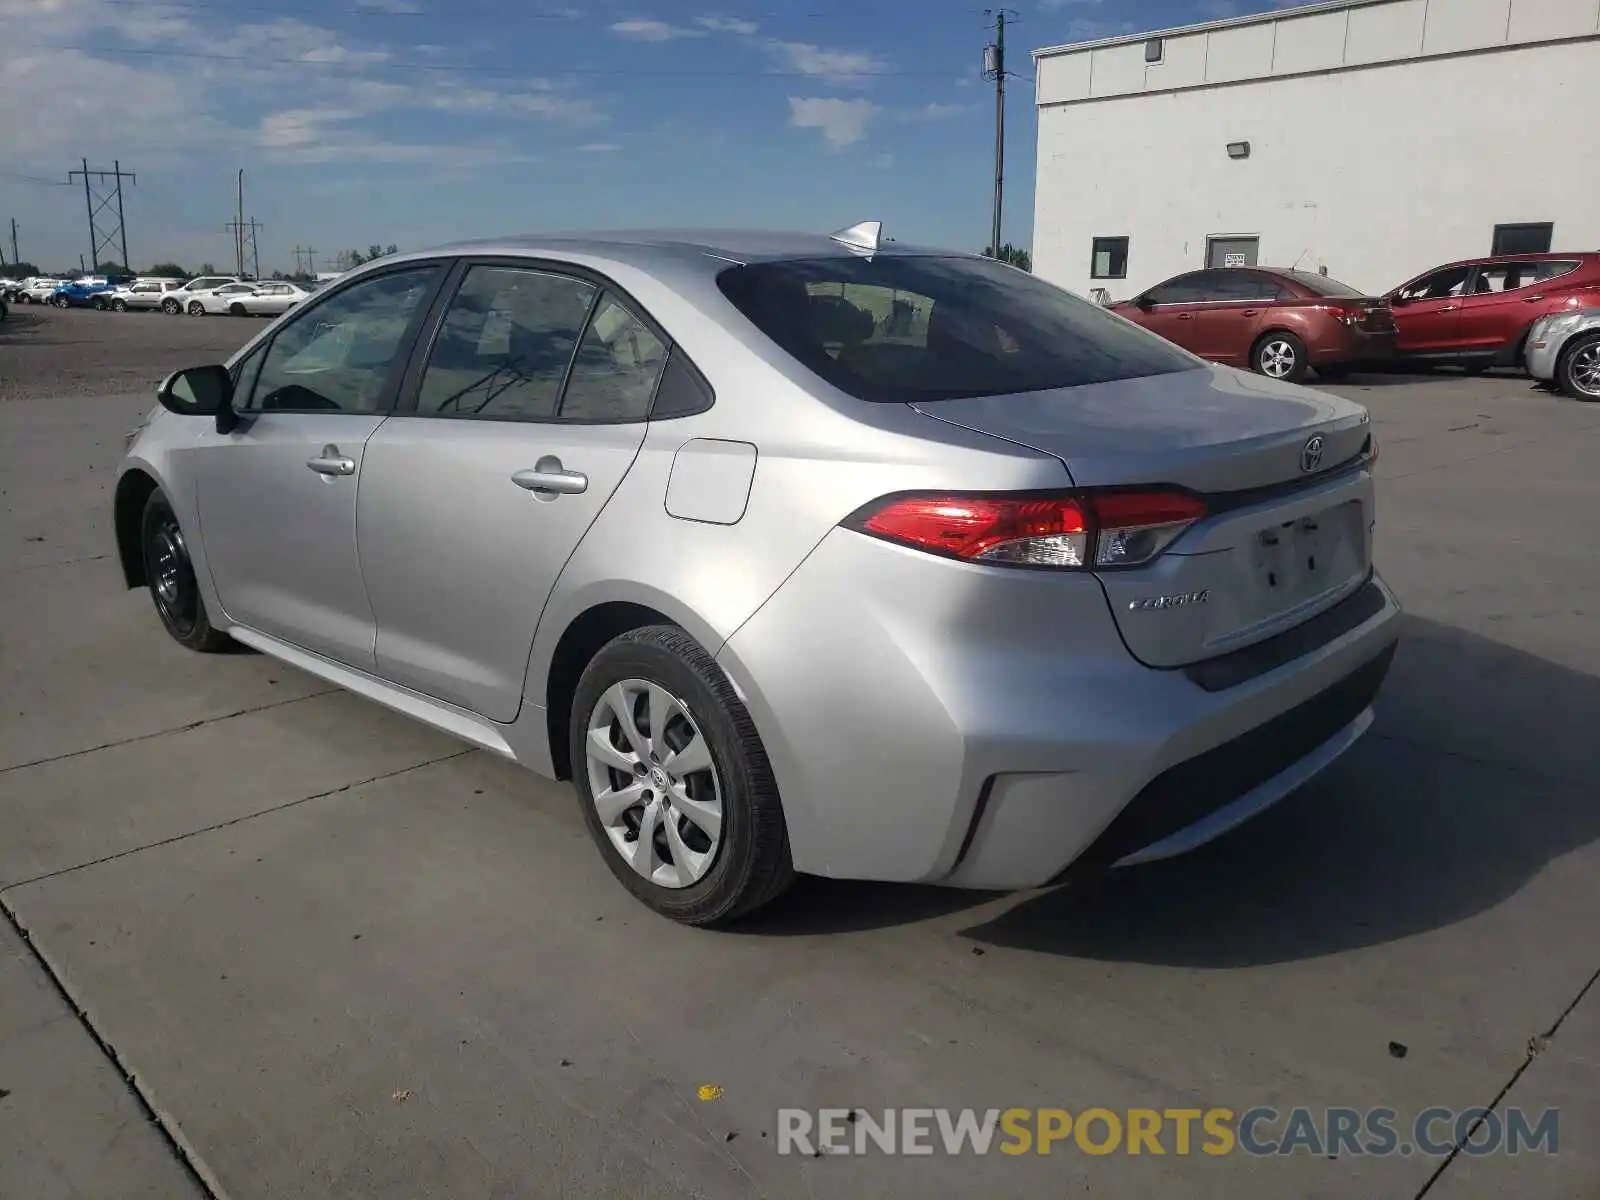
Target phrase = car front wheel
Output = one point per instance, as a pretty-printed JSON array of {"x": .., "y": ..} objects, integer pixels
[
  {"x": 673, "y": 780},
  {"x": 119, "y": 306},
  {"x": 1280, "y": 355},
  {"x": 1578, "y": 373},
  {"x": 171, "y": 307},
  {"x": 169, "y": 573},
  {"x": 63, "y": 302}
]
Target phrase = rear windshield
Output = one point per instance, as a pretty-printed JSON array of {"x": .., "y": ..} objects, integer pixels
[
  {"x": 1321, "y": 285},
  {"x": 895, "y": 329}
]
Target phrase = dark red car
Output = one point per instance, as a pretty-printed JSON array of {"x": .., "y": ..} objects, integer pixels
[
  {"x": 1477, "y": 313},
  {"x": 1279, "y": 323}
]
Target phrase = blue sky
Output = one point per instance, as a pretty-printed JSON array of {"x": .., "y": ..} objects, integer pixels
[{"x": 423, "y": 121}]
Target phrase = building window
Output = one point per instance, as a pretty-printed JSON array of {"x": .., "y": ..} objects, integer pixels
[
  {"x": 1109, "y": 258},
  {"x": 1153, "y": 50},
  {"x": 1527, "y": 238}
]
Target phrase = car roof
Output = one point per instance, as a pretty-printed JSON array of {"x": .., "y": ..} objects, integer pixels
[
  {"x": 650, "y": 247},
  {"x": 1543, "y": 256}
]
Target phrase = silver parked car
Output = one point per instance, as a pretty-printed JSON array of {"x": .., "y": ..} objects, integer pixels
[
  {"x": 1564, "y": 349},
  {"x": 794, "y": 553},
  {"x": 270, "y": 299}
]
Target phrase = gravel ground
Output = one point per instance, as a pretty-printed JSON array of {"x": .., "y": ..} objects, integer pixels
[{"x": 45, "y": 352}]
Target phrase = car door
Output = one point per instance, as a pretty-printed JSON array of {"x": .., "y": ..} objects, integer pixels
[
  {"x": 1169, "y": 308},
  {"x": 1427, "y": 311},
  {"x": 277, "y": 495},
  {"x": 1224, "y": 325},
  {"x": 511, "y": 436},
  {"x": 1499, "y": 305}
]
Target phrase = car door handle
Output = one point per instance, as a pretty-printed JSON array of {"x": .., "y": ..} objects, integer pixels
[
  {"x": 1185, "y": 316},
  {"x": 1450, "y": 308},
  {"x": 552, "y": 479},
  {"x": 1251, "y": 312},
  {"x": 1531, "y": 299},
  {"x": 330, "y": 462}
]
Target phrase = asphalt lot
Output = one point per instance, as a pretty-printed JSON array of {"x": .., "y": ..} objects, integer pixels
[{"x": 341, "y": 955}]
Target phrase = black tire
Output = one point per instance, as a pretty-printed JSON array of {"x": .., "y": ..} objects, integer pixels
[
  {"x": 171, "y": 307},
  {"x": 98, "y": 304},
  {"x": 63, "y": 303},
  {"x": 1566, "y": 378},
  {"x": 236, "y": 309},
  {"x": 119, "y": 306},
  {"x": 752, "y": 865},
  {"x": 169, "y": 574},
  {"x": 1280, "y": 347},
  {"x": 196, "y": 309}
]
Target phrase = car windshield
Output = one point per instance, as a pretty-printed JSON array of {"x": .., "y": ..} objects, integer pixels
[
  {"x": 1321, "y": 285},
  {"x": 899, "y": 329}
]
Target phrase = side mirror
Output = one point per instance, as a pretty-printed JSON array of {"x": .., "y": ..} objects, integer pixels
[
  {"x": 200, "y": 392},
  {"x": 1396, "y": 300},
  {"x": 1144, "y": 303}
]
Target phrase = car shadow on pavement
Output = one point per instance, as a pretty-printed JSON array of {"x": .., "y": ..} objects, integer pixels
[{"x": 1478, "y": 772}]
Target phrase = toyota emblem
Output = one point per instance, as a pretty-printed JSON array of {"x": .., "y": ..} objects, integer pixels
[{"x": 1311, "y": 454}]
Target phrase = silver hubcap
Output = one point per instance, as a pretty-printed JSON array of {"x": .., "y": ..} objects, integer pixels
[
  {"x": 654, "y": 785},
  {"x": 1277, "y": 359},
  {"x": 168, "y": 559},
  {"x": 1586, "y": 369}
]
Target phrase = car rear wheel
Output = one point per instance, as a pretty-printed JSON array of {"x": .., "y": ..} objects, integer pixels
[
  {"x": 674, "y": 783},
  {"x": 119, "y": 306},
  {"x": 63, "y": 302},
  {"x": 196, "y": 309},
  {"x": 1578, "y": 372},
  {"x": 236, "y": 309},
  {"x": 1280, "y": 355},
  {"x": 169, "y": 573},
  {"x": 172, "y": 307}
]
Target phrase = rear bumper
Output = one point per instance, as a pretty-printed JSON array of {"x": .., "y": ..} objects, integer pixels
[
  {"x": 928, "y": 721},
  {"x": 1352, "y": 347}
]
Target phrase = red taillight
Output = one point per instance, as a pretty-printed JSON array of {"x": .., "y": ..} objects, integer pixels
[{"x": 1122, "y": 528}]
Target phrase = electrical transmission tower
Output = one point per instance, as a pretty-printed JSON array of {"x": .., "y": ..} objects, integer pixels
[
  {"x": 99, "y": 199},
  {"x": 244, "y": 235},
  {"x": 305, "y": 260}
]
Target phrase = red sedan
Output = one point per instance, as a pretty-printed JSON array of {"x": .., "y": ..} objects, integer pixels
[
  {"x": 1279, "y": 323},
  {"x": 1477, "y": 313}
]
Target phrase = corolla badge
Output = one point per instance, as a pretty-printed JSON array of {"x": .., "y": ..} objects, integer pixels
[
  {"x": 1311, "y": 454},
  {"x": 1183, "y": 600}
]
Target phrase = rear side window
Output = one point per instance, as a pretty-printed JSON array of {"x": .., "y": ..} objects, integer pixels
[
  {"x": 896, "y": 329},
  {"x": 1554, "y": 268}
]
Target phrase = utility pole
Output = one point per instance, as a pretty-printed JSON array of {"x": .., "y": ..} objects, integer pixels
[
  {"x": 238, "y": 229},
  {"x": 994, "y": 67},
  {"x": 15, "y": 257},
  {"x": 99, "y": 204}
]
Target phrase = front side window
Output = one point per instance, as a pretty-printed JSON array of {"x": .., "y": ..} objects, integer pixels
[
  {"x": 505, "y": 345},
  {"x": 339, "y": 356},
  {"x": 901, "y": 329},
  {"x": 1108, "y": 258},
  {"x": 1240, "y": 285},
  {"x": 1502, "y": 277},
  {"x": 1452, "y": 281},
  {"x": 1186, "y": 289}
]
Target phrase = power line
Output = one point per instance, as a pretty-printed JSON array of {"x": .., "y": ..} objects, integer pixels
[
  {"x": 20, "y": 177},
  {"x": 457, "y": 10},
  {"x": 475, "y": 72}
]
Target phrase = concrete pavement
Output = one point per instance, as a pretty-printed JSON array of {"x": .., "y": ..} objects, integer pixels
[{"x": 344, "y": 955}]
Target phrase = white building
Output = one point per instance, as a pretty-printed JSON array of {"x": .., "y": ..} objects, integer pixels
[{"x": 1369, "y": 139}]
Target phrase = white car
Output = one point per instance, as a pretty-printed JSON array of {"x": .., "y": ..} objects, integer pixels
[
  {"x": 179, "y": 300},
  {"x": 144, "y": 293},
  {"x": 216, "y": 300},
  {"x": 270, "y": 299},
  {"x": 41, "y": 291}
]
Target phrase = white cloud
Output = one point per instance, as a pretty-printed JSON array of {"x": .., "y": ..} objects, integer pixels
[
  {"x": 847, "y": 68},
  {"x": 642, "y": 30},
  {"x": 599, "y": 148},
  {"x": 933, "y": 111},
  {"x": 735, "y": 25},
  {"x": 842, "y": 122},
  {"x": 405, "y": 8}
]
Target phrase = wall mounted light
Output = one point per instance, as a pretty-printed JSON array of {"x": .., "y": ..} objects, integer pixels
[{"x": 1238, "y": 149}]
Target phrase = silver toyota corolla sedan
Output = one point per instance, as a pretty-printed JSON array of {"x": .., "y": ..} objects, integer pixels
[
  {"x": 794, "y": 553},
  {"x": 1564, "y": 349}
]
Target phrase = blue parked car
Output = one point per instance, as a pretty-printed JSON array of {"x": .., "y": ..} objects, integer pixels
[{"x": 92, "y": 291}]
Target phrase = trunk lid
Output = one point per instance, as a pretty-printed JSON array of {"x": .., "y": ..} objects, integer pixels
[{"x": 1287, "y": 536}]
